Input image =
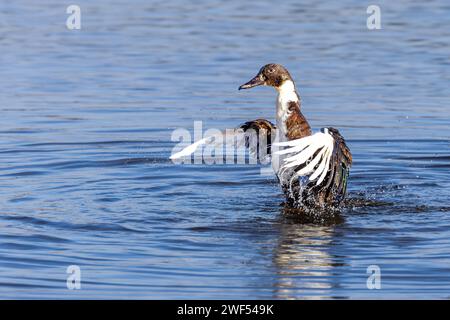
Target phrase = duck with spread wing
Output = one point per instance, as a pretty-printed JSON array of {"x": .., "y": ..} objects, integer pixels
[{"x": 312, "y": 169}]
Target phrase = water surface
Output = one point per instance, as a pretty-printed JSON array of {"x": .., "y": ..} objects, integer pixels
[{"x": 86, "y": 123}]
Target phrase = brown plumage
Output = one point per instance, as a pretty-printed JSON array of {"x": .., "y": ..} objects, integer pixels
[
  {"x": 262, "y": 133},
  {"x": 296, "y": 124}
]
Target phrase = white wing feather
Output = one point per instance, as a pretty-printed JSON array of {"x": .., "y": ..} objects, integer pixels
[
  {"x": 234, "y": 138},
  {"x": 310, "y": 167},
  {"x": 190, "y": 149},
  {"x": 303, "y": 150}
]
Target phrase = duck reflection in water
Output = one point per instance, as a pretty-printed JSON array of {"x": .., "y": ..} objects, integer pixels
[{"x": 302, "y": 257}]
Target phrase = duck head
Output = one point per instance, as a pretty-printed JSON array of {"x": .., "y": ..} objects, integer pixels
[{"x": 272, "y": 74}]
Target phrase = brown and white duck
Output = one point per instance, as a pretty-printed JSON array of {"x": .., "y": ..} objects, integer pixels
[{"x": 312, "y": 169}]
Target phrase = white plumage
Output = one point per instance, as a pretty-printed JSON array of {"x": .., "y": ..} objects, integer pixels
[
  {"x": 232, "y": 139},
  {"x": 190, "y": 149},
  {"x": 301, "y": 152}
]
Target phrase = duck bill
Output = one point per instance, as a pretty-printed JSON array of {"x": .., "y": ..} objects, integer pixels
[{"x": 256, "y": 81}]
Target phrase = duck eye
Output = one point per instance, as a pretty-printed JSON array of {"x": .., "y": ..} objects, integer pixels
[{"x": 271, "y": 70}]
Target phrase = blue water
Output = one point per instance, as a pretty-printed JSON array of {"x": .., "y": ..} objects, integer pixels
[{"x": 86, "y": 123}]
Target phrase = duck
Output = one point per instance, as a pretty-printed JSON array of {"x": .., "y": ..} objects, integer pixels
[{"x": 311, "y": 168}]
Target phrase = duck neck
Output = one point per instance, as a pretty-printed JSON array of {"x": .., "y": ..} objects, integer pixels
[{"x": 290, "y": 121}]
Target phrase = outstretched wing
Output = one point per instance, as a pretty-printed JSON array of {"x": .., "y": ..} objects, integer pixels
[
  {"x": 256, "y": 135},
  {"x": 323, "y": 157}
]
